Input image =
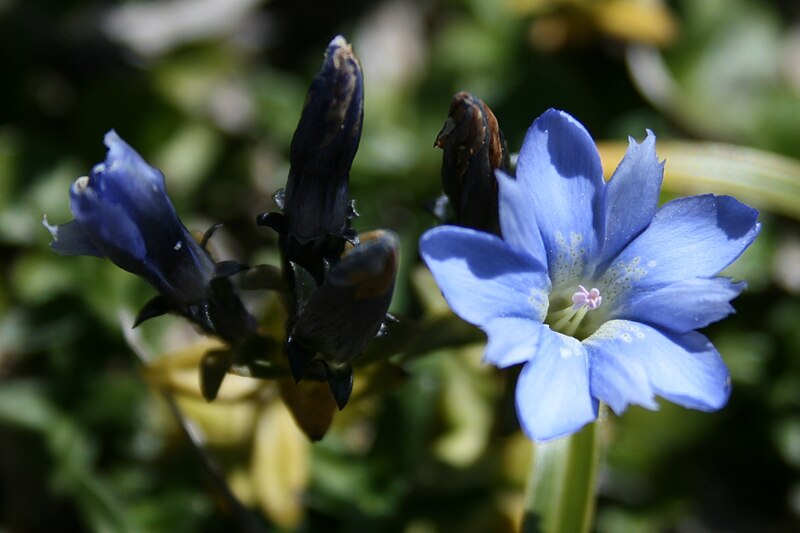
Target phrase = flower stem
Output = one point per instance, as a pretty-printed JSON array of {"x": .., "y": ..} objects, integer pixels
[{"x": 562, "y": 484}]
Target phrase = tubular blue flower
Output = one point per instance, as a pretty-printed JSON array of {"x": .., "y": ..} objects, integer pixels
[
  {"x": 593, "y": 287},
  {"x": 122, "y": 212}
]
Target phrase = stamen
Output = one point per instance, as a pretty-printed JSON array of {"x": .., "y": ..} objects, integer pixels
[
  {"x": 584, "y": 299},
  {"x": 572, "y": 327},
  {"x": 569, "y": 319}
]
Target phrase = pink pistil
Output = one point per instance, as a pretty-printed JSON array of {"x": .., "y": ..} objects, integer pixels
[{"x": 589, "y": 299}]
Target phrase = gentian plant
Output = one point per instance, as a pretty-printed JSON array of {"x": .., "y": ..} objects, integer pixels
[
  {"x": 336, "y": 286},
  {"x": 589, "y": 284},
  {"x": 340, "y": 288},
  {"x": 122, "y": 212},
  {"x": 593, "y": 287}
]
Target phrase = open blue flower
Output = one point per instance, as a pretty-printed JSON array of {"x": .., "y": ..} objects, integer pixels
[
  {"x": 122, "y": 212},
  {"x": 596, "y": 289}
]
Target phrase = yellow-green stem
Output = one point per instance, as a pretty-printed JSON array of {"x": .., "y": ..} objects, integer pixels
[{"x": 563, "y": 483}]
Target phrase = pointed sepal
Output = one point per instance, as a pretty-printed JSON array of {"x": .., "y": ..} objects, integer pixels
[
  {"x": 213, "y": 367},
  {"x": 273, "y": 220},
  {"x": 208, "y": 234},
  {"x": 340, "y": 380},
  {"x": 226, "y": 269},
  {"x": 299, "y": 358},
  {"x": 154, "y": 307}
]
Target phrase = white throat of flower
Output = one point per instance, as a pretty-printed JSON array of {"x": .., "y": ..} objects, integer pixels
[{"x": 567, "y": 320}]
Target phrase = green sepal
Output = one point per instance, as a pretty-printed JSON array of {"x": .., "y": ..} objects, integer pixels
[
  {"x": 340, "y": 379},
  {"x": 154, "y": 307},
  {"x": 208, "y": 234},
  {"x": 226, "y": 269},
  {"x": 213, "y": 367},
  {"x": 304, "y": 286},
  {"x": 299, "y": 358}
]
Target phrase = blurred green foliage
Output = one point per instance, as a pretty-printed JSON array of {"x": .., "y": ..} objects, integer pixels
[{"x": 210, "y": 92}]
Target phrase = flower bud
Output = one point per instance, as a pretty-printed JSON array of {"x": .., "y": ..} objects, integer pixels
[
  {"x": 316, "y": 202},
  {"x": 347, "y": 311},
  {"x": 474, "y": 147},
  {"x": 122, "y": 212}
]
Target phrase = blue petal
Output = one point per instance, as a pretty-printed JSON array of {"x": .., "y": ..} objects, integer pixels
[
  {"x": 125, "y": 174},
  {"x": 632, "y": 195},
  {"x": 482, "y": 278},
  {"x": 125, "y": 179},
  {"x": 108, "y": 226},
  {"x": 685, "y": 369},
  {"x": 690, "y": 372},
  {"x": 70, "y": 239},
  {"x": 512, "y": 340},
  {"x": 552, "y": 394},
  {"x": 682, "y": 306},
  {"x": 559, "y": 169},
  {"x": 618, "y": 377},
  {"x": 690, "y": 237},
  {"x": 517, "y": 222}
]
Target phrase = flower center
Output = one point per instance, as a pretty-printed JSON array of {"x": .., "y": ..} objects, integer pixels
[
  {"x": 567, "y": 320},
  {"x": 589, "y": 299}
]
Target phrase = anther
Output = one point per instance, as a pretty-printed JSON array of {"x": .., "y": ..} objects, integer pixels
[{"x": 590, "y": 300}]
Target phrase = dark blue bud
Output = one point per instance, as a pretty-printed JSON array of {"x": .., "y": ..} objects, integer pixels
[
  {"x": 346, "y": 312},
  {"x": 316, "y": 205},
  {"x": 474, "y": 147},
  {"x": 122, "y": 212},
  {"x": 324, "y": 145}
]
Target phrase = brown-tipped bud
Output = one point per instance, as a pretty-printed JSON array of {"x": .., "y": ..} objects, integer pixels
[
  {"x": 345, "y": 313},
  {"x": 474, "y": 147},
  {"x": 343, "y": 316}
]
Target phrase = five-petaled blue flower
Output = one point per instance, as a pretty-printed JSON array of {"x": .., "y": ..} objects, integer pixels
[
  {"x": 122, "y": 212},
  {"x": 596, "y": 289}
]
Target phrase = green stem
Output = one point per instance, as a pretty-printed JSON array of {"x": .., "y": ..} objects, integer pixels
[{"x": 562, "y": 484}]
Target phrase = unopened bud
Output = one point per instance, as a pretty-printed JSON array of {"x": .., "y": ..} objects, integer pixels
[{"x": 474, "y": 147}]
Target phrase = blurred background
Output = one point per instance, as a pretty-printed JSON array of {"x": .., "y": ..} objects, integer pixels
[{"x": 210, "y": 92}]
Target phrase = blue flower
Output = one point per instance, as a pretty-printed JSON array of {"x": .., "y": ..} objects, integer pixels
[
  {"x": 596, "y": 289},
  {"x": 122, "y": 212}
]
